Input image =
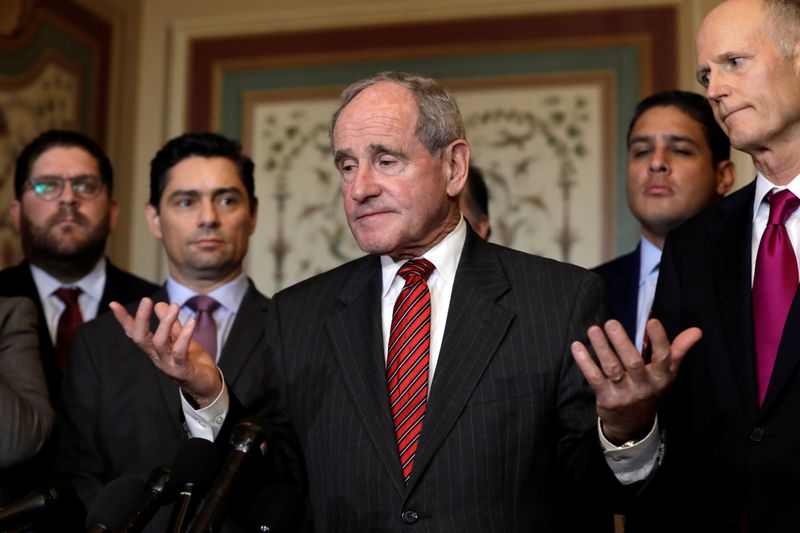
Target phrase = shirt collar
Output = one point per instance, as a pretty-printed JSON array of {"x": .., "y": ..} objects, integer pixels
[
  {"x": 92, "y": 284},
  {"x": 649, "y": 259},
  {"x": 444, "y": 256},
  {"x": 229, "y": 295},
  {"x": 763, "y": 186}
]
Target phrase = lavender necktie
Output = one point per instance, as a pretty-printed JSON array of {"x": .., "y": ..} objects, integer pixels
[
  {"x": 774, "y": 285},
  {"x": 205, "y": 332}
]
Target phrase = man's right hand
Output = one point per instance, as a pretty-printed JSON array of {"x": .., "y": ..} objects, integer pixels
[{"x": 172, "y": 349}]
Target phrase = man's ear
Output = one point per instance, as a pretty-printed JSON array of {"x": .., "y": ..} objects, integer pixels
[
  {"x": 153, "y": 220},
  {"x": 726, "y": 176},
  {"x": 457, "y": 161},
  {"x": 15, "y": 210},
  {"x": 113, "y": 215}
]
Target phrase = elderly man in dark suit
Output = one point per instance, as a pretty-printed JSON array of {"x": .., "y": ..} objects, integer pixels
[
  {"x": 730, "y": 418},
  {"x": 430, "y": 383},
  {"x": 124, "y": 417},
  {"x": 64, "y": 211},
  {"x": 678, "y": 164}
]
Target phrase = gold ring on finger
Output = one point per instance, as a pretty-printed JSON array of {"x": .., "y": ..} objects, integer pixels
[{"x": 617, "y": 379}]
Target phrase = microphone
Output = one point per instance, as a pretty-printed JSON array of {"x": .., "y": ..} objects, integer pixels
[
  {"x": 113, "y": 504},
  {"x": 155, "y": 495},
  {"x": 192, "y": 473},
  {"x": 246, "y": 439},
  {"x": 55, "y": 500}
]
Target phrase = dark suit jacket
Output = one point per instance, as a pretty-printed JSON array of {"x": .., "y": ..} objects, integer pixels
[
  {"x": 25, "y": 413},
  {"x": 621, "y": 276},
  {"x": 18, "y": 281},
  {"x": 509, "y": 415},
  {"x": 726, "y": 458},
  {"x": 124, "y": 416},
  {"x": 120, "y": 287}
]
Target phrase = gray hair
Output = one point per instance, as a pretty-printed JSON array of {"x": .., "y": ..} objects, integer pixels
[
  {"x": 783, "y": 17},
  {"x": 439, "y": 121}
]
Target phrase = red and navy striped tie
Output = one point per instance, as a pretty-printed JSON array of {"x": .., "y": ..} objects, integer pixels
[{"x": 408, "y": 359}]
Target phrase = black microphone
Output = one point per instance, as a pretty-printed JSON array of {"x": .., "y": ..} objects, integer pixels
[
  {"x": 246, "y": 440},
  {"x": 113, "y": 503},
  {"x": 55, "y": 500},
  {"x": 194, "y": 468},
  {"x": 155, "y": 495}
]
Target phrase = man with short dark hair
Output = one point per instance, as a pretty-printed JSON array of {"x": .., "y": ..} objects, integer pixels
[
  {"x": 64, "y": 211},
  {"x": 678, "y": 164},
  {"x": 124, "y": 418}
]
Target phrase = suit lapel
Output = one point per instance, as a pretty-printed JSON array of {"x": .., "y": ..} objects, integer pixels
[
  {"x": 246, "y": 333},
  {"x": 168, "y": 388},
  {"x": 732, "y": 267},
  {"x": 476, "y": 325},
  {"x": 629, "y": 282},
  {"x": 356, "y": 337}
]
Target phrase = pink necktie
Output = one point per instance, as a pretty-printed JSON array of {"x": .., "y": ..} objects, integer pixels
[
  {"x": 408, "y": 359},
  {"x": 68, "y": 322},
  {"x": 774, "y": 285},
  {"x": 205, "y": 332}
]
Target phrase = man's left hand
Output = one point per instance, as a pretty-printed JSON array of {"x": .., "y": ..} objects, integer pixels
[{"x": 627, "y": 388}]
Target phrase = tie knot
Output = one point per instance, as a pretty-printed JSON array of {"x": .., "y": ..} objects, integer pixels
[
  {"x": 68, "y": 295},
  {"x": 421, "y": 268},
  {"x": 201, "y": 303},
  {"x": 781, "y": 206}
]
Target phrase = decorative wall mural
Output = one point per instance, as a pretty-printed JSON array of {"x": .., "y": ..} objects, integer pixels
[
  {"x": 546, "y": 98},
  {"x": 49, "y": 100},
  {"x": 542, "y": 148},
  {"x": 53, "y": 74}
]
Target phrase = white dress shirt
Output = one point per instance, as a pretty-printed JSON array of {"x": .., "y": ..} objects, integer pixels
[
  {"x": 444, "y": 257},
  {"x": 205, "y": 423},
  {"x": 91, "y": 285},
  {"x": 761, "y": 216},
  {"x": 649, "y": 261}
]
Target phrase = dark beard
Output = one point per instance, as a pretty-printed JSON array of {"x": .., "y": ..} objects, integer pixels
[{"x": 66, "y": 263}]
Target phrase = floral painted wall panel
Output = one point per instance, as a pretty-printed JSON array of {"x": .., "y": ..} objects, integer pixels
[
  {"x": 48, "y": 98},
  {"x": 53, "y": 74},
  {"x": 541, "y": 145}
]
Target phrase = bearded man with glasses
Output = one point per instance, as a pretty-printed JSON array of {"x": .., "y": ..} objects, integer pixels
[{"x": 64, "y": 211}]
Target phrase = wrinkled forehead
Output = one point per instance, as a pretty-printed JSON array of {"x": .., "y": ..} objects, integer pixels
[
  {"x": 730, "y": 27},
  {"x": 381, "y": 109}
]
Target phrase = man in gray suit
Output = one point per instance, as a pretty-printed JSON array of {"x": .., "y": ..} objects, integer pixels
[
  {"x": 26, "y": 417},
  {"x": 430, "y": 383},
  {"x": 124, "y": 417}
]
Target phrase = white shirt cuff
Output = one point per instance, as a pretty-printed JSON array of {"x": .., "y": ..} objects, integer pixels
[
  {"x": 634, "y": 462},
  {"x": 205, "y": 423}
]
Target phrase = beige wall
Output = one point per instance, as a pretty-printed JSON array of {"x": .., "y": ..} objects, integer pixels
[{"x": 149, "y": 67}]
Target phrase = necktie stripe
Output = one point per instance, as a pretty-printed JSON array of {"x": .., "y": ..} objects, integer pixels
[{"x": 408, "y": 360}]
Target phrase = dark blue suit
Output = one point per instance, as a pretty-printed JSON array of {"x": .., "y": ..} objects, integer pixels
[{"x": 621, "y": 276}]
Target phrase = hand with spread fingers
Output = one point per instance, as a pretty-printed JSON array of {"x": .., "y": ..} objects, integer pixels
[
  {"x": 627, "y": 388},
  {"x": 171, "y": 349}
]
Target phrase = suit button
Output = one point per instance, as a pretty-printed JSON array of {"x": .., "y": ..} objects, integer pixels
[
  {"x": 410, "y": 517},
  {"x": 757, "y": 434}
]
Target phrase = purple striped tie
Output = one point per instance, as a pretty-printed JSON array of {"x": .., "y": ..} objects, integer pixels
[
  {"x": 408, "y": 359},
  {"x": 774, "y": 285}
]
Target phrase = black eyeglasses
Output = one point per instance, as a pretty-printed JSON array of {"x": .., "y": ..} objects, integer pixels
[{"x": 48, "y": 188}]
